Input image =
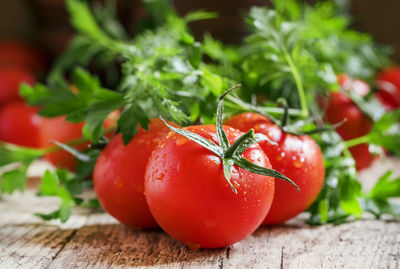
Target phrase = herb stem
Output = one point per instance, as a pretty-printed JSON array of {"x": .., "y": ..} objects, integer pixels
[
  {"x": 262, "y": 110},
  {"x": 356, "y": 141},
  {"x": 300, "y": 89},
  {"x": 75, "y": 142}
]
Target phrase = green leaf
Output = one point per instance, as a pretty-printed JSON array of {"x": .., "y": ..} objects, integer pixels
[
  {"x": 212, "y": 82},
  {"x": 97, "y": 113},
  {"x": 129, "y": 120},
  {"x": 199, "y": 15},
  {"x": 49, "y": 184},
  {"x": 386, "y": 187},
  {"x": 13, "y": 180}
]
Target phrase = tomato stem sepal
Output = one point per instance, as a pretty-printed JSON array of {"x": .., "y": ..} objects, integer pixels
[{"x": 232, "y": 154}]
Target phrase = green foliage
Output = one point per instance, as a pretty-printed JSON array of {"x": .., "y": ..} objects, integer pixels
[
  {"x": 341, "y": 192},
  {"x": 67, "y": 187}
]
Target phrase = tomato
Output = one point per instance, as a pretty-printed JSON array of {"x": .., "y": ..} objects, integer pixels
[
  {"x": 356, "y": 85},
  {"x": 190, "y": 198},
  {"x": 388, "y": 83},
  {"x": 119, "y": 176},
  {"x": 19, "y": 124},
  {"x": 297, "y": 157},
  {"x": 14, "y": 54},
  {"x": 58, "y": 129},
  {"x": 341, "y": 107},
  {"x": 10, "y": 80},
  {"x": 61, "y": 130}
]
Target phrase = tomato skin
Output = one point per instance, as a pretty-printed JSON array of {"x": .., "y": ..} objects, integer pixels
[
  {"x": 14, "y": 54},
  {"x": 119, "y": 176},
  {"x": 388, "y": 84},
  {"x": 190, "y": 198},
  {"x": 10, "y": 80},
  {"x": 297, "y": 157},
  {"x": 341, "y": 107},
  {"x": 58, "y": 129},
  {"x": 19, "y": 124},
  {"x": 356, "y": 85},
  {"x": 61, "y": 130}
]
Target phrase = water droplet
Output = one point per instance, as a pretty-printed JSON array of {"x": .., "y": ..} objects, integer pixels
[
  {"x": 297, "y": 163},
  {"x": 235, "y": 184},
  {"x": 160, "y": 176},
  {"x": 181, "y": 140}
]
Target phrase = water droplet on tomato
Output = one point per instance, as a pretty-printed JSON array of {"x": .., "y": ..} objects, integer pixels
[
  {"x": 160, "y": 176},
  {"x": 235, "y": 184},
  {"x": 181, "y": 140}
]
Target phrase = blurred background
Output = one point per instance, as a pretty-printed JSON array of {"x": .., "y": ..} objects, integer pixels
[{"x": 45, "y": 22}]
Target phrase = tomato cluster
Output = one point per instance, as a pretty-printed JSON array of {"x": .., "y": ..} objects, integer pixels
[
  {"x": 19, "y": 123},
  {"x": 354, "y": 123},
  {"x": 162, "y": 178}
]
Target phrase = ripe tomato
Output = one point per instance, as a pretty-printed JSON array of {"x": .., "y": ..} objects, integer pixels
[
  {"x": 356, "y": 85},
  {"x": 190, "y": 198},
  {"x": 10, "y": 80},
  {"x": 119, "y": 176},
  {"x": 19, "y": 124},
  {"x": 341, "y": 107},
  {"x": 58, "y": 129},
  {"x": 61, "y": 130},
  {"x": 297, "y": 157},
  {"x": 388, "y": 83},
  {"x": 14, "y": 54}
]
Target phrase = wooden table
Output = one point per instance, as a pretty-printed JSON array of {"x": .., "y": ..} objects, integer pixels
[{"x": 95, "y": 240}]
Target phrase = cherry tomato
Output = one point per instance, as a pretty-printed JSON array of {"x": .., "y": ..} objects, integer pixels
[
  {"x": 190, "y": 198},
  {"x": 119, "y": 176},
  {"x": 61, "y": 130},
  {"x": 341, "y": 107},
  {"x": 297, "y": 157},
  {"x": 10, "y": 80},
  {"x": 356, "y": 85},
  {"x": 14, "y": 54},
  {"x": 388, "y": 83},
  {"x": 19, "y": 124}
]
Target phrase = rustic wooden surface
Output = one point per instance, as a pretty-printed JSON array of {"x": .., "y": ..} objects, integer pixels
[{"x": 95, "y": 240}]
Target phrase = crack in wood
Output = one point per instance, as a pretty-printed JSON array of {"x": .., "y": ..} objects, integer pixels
[
  {"x": 67, "y": 240},
  {"x": 281, "y": 265},
  {"x": 220, "y": 262},
  {"x": 227, "y": 252}
]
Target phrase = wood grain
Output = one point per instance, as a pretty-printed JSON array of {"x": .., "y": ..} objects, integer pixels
[{"x": 95, "y": 240}]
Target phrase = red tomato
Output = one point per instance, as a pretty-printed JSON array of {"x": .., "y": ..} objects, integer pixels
[
  {"x": 341, "y": 107},
  {"x": 10, "y": 80},
  {"x": 388, "y": 83},
  {"x": 14, "y": 54},
  {"x": 356, "y": 85},
  {"x": 19, "y": 124},
  {"x": 119, "y": 176},
  {"x": 190, "y": 198},
  {"x": 297, "y": 157},
  {"x": 61, "y": 130}
]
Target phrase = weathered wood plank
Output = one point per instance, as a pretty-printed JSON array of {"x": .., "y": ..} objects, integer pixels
[{"x": 26, "y": 241}]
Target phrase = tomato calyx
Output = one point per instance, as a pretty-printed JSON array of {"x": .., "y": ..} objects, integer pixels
[{"x": 232, "y": 154}]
